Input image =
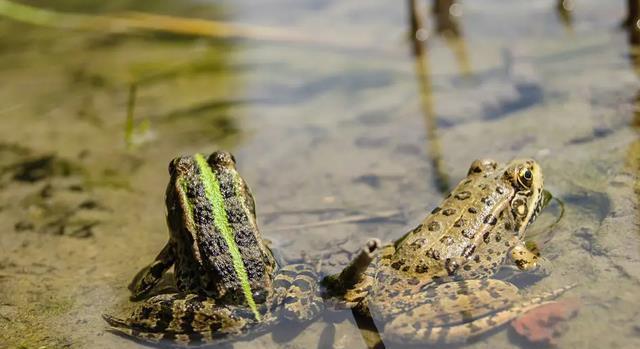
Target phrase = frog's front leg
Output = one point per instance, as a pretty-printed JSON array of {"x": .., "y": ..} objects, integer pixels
[
  {"x": 295, "y": 288},
  {"x": 455, "y": 311},
  {"x": 179, "y": 319},
  {"x": 526, "y": 256},
  {"x": 149, "y": 276},
  {"x": 338, "y": 284}
]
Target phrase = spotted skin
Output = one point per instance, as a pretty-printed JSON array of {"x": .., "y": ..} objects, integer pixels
[
  {"x": 228, "y": 280},
  {"x": 183, "y": 319},
  {"x": 196, "y": 320},
  {"x": 474, "y": 316},
  {"x": 299, "y": 284},
  {"x": 433, "y": 284}
]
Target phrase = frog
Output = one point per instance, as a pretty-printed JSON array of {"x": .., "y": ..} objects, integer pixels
[
  {"x": 228, "y": 282},
  {"x": 434, "y": 284}
]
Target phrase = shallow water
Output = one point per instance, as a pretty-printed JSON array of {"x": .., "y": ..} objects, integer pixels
[{"x": 352, "y": 124}]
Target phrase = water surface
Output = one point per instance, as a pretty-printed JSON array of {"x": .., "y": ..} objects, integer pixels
[{"x": 354, "y": 124}]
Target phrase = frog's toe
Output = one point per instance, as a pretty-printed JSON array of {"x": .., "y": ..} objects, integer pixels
[
  {"x": 512, "y": 272},
  {"x": 543, "y": 267},
  {"x": 114, "y": 321},
  {"x": 123, "y": 328},
  {"x": 372, "y": 245}
]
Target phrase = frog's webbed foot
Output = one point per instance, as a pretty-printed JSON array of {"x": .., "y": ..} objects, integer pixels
[
  {"x": 455, "y": 311},
  {"x": 526, "y": 257},
  {"x": 338, "y": 284},
  {"x": 185, "y": 320},
  {"x": 542, "y": 269},
  {"x": 296, "y": 287},
  {"x": 147, "y": 278}
]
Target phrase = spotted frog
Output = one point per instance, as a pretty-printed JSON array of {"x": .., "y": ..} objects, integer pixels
[
  {"x": 433, "y": 285},
  {"x": 228, "y": 279}
]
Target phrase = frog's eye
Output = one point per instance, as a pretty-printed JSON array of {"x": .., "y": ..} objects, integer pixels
[
  {"x": 172, "y": 167},
  {"x": 525, "y": 177},
  {"x": 221, "y": 158}
]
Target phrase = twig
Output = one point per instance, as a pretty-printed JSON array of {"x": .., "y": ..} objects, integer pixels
[
  {"x": 352, "y": 219},
  {"x": 201, "y": 27},
  {"x": 308, "y": 211}
]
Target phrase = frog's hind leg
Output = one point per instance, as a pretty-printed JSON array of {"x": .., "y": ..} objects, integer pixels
[
  {"x": 462, "y": 311},
  {"x": 297, "y": 287},
  {"x": 187, "y": 320},
  {"x": 150, "y": 276}
]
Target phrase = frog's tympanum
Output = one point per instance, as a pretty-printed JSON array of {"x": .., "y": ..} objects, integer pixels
[
  {"x": 433, "y": 285},
  {"x": 229, "y": 282}
]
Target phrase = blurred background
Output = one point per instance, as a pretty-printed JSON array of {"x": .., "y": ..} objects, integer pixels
[{"x": 349, "y": 119}]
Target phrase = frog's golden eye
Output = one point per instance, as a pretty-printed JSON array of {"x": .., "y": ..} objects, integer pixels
[{"x": 525, "y": 176}]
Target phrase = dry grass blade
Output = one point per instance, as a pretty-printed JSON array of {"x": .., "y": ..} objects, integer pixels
[
  {"x": 132, "y": 22},
  {"x": 351, "y": 219}
]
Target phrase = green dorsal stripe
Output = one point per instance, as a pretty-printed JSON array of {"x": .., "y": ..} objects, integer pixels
[{"x": 214, "y": 196}]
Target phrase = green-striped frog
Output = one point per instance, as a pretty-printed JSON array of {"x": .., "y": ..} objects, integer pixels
[
  {"x": 228, "y": 279},
  {"x": 432, "y": 285}
]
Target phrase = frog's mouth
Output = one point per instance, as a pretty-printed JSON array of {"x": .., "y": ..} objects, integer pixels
[
  {"x": 542, "y": 202},
  {"x": 537, "y": 210}
]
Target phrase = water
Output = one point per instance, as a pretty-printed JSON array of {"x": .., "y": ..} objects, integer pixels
[{"x": 354, "y": 123}]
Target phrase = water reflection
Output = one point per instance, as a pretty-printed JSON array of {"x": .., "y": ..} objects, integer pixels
[
  {"x": 631, "y": 22},
  {"x": 633, "y": 156},
  {"x": 206, "y": 108},
  {"x": 633, "y": 153},
  {"x": 369, "y": 331},
  {"x": 434, "y": 144},
  {"x": 632, "y": 10},
  {"x": 445, "y": 16},
  {"x": 445, "y": 13},
  {"x": 565, "y": 13}
]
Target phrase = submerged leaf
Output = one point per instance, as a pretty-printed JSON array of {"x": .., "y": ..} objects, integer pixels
[{"x": 547, "y": 322}]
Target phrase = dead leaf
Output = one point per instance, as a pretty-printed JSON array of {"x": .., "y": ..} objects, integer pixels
[{"x": 547, "y": 322}]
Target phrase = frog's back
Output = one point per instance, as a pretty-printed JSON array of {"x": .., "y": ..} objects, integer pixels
[
  {"x": 219, "y": 248},
  {"x": 453, "y": 231},
  {"x": 239, "y": 208}
]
